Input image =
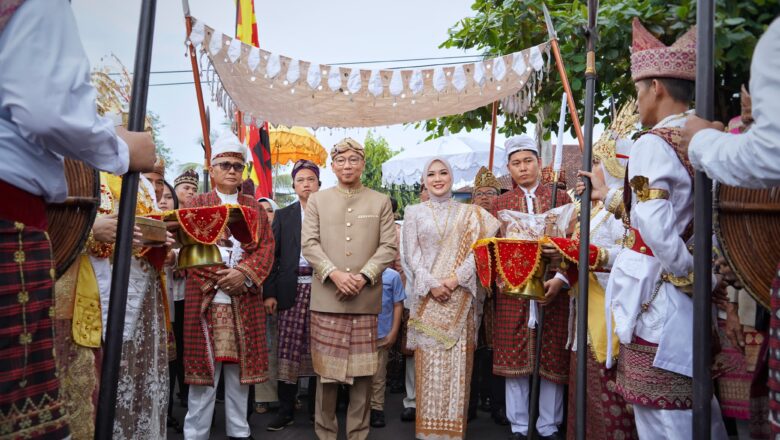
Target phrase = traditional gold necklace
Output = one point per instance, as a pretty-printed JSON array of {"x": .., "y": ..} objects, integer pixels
[{"x": 436, "y": 220}]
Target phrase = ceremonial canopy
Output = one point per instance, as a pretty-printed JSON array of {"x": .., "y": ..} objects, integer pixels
[{"x": 271, "y": 87}]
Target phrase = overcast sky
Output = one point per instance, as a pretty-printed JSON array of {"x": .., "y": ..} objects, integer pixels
[{"x": 336, "y": 31}]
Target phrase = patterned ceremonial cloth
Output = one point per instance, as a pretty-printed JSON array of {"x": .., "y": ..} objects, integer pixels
[
  {"x": 30, "y": 403},
  {"x": 774, "y": 358},
  {"x": 78, "y": 367},
  {"x": 222, "y": 329},
  {"x": 248, "y": 311},
  {"x": 640, "y": 383},
  {"x": 608, "y": 417},
  {"x": 743, "y": 391},
  {"x": 442, "y": 386},
  {"x": 514, "y": 342},
  {"x": 343, "y": 346},
  {"x": 294, "y": 329}
]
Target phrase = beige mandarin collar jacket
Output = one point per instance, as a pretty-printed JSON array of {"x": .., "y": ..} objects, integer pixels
[{"x": 353, "y": 232}]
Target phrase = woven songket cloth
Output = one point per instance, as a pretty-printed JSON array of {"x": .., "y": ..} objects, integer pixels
[
  {"x": 743, "y": 391},
  {"x": 514, "y": 342},
  {"x": 294, "y": 334},
  {"x": 248, "y": 312},
  {"x": 640, "y": 383},
  {"x": 343, "y": 346},
  {"x": 609, "y": 417},
  {"x": 30, "y": 403},
  {"x": 774, "y": 358},
  {"x": 650, "y": 58}
]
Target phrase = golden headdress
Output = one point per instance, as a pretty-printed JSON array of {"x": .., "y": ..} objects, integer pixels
[
  {"x": 485, "y": 178},
  {"x": 159, "y": 166},
  {"x": 607, "y": 149}
]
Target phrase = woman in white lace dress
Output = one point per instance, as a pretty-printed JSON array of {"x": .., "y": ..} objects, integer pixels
[{"x": 438, "y": 235}]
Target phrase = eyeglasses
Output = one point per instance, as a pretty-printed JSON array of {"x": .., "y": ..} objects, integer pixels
[
  {"x": 485, "y": 194},
  {"x": 341, "y": 161},
  {"x": 226, "y": 166}
]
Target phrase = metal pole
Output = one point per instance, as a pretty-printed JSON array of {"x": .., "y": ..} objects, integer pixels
[
  {"x": 533, "y": 401},
  {"x": 583, "y": 280},
  {"x": 702, "y": 224},
  {"x": 104, "y": 423}
]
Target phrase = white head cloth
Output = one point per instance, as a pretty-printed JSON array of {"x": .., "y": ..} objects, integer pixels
[
  {"x": 521, "y": 142},
  {"x": 228, "y": 143}
]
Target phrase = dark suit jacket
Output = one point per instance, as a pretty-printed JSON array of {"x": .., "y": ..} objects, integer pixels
[{"x": 282, "y": 283}]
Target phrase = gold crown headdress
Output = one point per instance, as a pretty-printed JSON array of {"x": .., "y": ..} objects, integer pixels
[{"x": 622, "y": 127}]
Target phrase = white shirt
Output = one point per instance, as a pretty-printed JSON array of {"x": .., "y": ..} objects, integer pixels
[
  {"x": 667, "y": 322},
  {"x": 231, "y": 255},
  {"x": 47, "y": 103},
  {"x": 750, "y": 160},
  {"x": 302, "y": 261}
]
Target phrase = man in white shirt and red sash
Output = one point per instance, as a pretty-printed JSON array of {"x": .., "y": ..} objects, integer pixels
[{"x": 651, "y": 279}]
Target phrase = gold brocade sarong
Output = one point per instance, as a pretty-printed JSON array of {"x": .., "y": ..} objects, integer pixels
[{"x": 222, "y": 326}]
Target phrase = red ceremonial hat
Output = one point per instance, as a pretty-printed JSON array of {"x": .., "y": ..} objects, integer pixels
[{"x": 650, "y": 58}]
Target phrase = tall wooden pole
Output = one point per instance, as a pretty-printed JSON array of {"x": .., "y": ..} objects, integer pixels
[
  {"x": 585, "y": 205},
  {"x": 492, "y": 136},
  {"x": 204, "y": 124},
  {"x": 702, "y": 224},
  {"x": 120, "y": 276}
]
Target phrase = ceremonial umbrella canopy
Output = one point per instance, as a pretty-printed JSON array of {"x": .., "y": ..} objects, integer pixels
[
  {"x": 465, "y": 154},
  {"x": 289, "y": 144}
]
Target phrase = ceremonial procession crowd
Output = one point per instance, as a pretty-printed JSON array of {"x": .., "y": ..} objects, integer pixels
[{"x": 328, "y": 289}]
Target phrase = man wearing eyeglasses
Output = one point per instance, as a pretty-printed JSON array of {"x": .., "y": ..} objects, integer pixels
[
  {"x": 349, "y": 239},
  {"x": 224, "y": 320}
]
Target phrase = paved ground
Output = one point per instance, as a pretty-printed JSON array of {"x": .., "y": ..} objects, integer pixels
[{"x": 481, "y": 428}]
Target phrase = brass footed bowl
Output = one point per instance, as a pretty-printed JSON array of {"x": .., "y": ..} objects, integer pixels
[
  {"x": 194, "y": 254},
  {"x": 534, "y": 287}
]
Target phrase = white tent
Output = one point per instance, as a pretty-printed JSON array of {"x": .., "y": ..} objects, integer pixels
[{"x": 465, "y": 154}]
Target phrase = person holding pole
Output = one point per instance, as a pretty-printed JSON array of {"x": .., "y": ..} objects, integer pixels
[
  {"x": 224, "y": 318},
  {"x": 45, "y": 113},
  {"x": 651, "y": 280},
  {"x": 516, "y": 318}
]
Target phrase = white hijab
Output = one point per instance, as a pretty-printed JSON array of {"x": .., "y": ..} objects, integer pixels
[{"x": 446, "y": 163}]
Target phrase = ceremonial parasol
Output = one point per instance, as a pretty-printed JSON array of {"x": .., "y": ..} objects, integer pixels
[
  {"x": 465, "y": 154},
  {"x": 289, "y": 144}
]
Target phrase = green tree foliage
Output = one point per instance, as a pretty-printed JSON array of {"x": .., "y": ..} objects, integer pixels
[
  {"x": 501, "y": 27},
  {"x": 378, "y": 151},
  {"x": 162, "y": 150}
]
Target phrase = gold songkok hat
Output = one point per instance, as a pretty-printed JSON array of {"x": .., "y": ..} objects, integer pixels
[
  {"x": 614, "y": 145},
  {"x": 159, "y": 166},
  {"x": 189, "y": 176},
  {"x": 486, "y": 179},
  {"x": 347, "y": 144}
]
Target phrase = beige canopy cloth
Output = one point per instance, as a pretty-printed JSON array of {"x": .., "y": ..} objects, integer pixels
[{"x": 282, "y": 90}]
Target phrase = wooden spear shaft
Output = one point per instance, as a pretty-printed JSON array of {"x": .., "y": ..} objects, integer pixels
[
  {"x": 199, "y": 94},
  {"x": 575, "y": 119},
  {"x": 493, "y": 136}
]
